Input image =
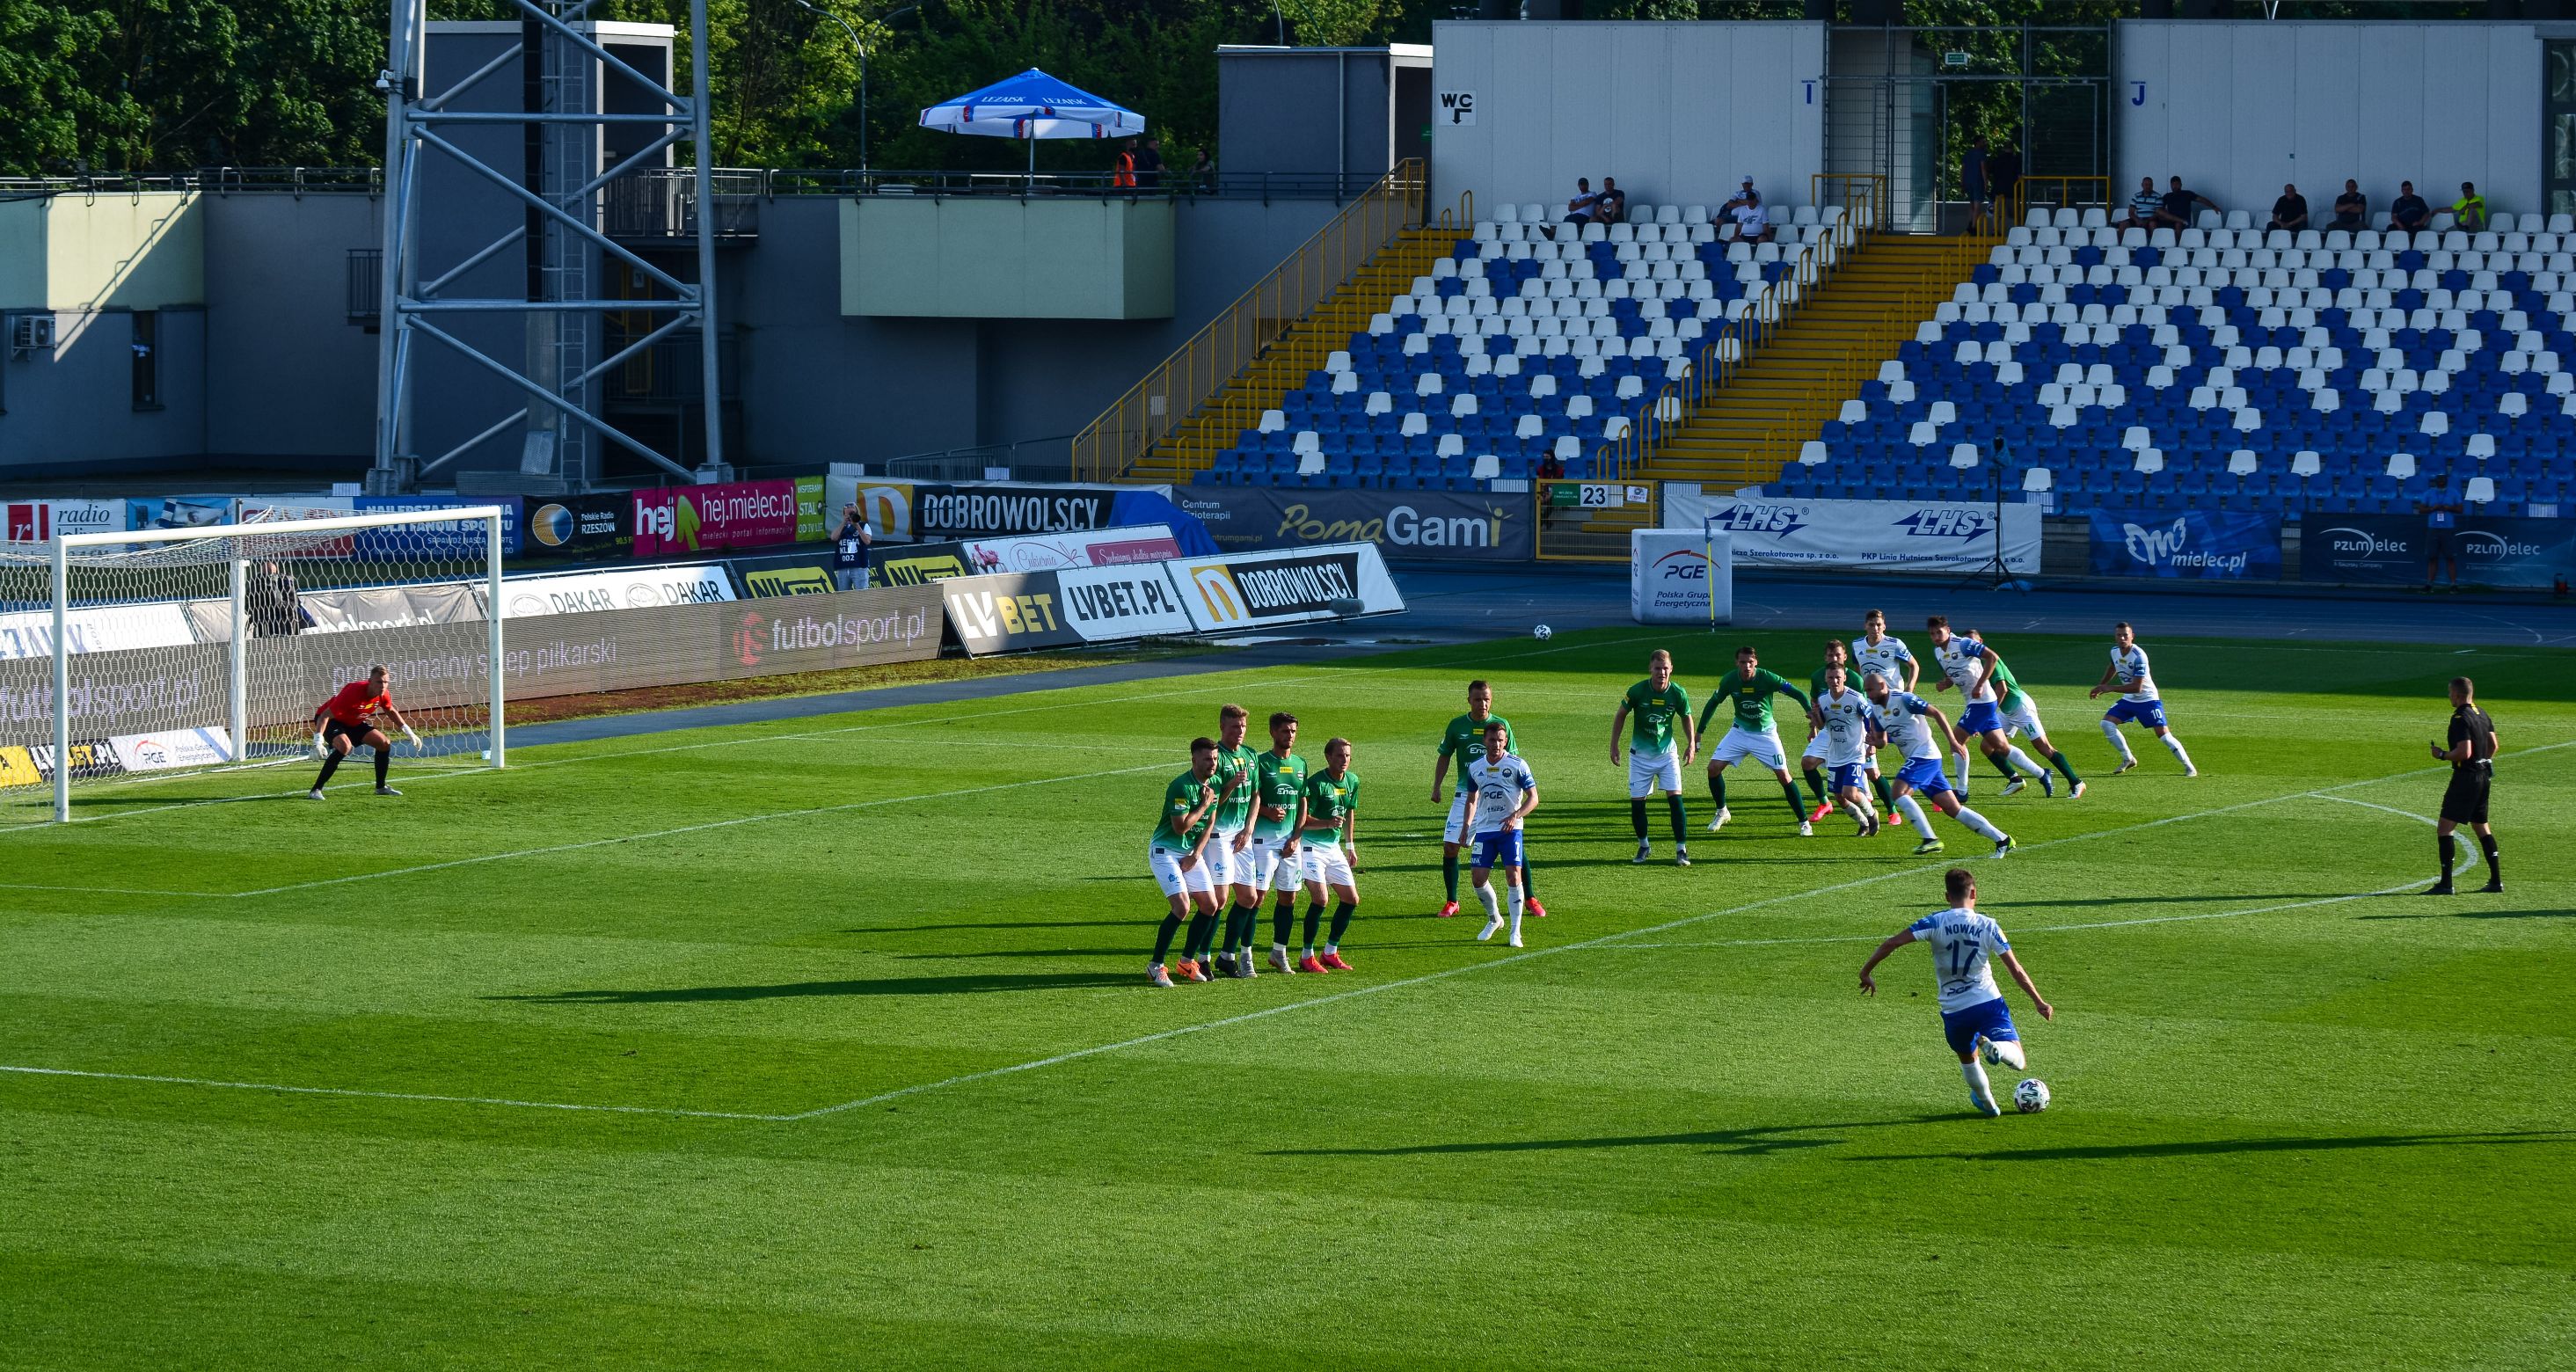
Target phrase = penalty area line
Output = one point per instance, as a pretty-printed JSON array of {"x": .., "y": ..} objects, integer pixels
[{"x": 393, "y": 1095}]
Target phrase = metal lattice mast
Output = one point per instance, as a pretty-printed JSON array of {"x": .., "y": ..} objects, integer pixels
[{"x": 560, "y": 307}]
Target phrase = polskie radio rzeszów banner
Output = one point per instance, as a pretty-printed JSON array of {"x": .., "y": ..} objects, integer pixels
[
  {"x": 2397, "y": 550},
  {"x": 1888, "y": 535},
  {"x": 2195, "y": 545},
  {"x": 1119, "y": 547},
  {"x": 1409, "y": 524}
]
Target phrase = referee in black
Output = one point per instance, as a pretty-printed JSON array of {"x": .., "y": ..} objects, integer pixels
[{"x": 2471, "y": 754}]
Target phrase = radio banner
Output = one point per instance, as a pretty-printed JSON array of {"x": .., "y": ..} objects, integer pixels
[
  {"x": 572, "y": 525},
  {"x": 1890, "y": 535},
  {"x": 2199, "y": 545},
  {"x": 1291, "y": 586},
  {"x": 1414, "y": 524}
]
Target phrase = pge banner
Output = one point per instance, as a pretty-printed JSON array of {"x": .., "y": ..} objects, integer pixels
[
  {"x": 459, "y": 539},
  {"x": 572, "y": 525},
  {"x": 2199, "y": 545},
  {"x": 1007, "y": 613},
  {"x": 1406, "y": 524},
  {"x": 728, "y": 514},
  {"x": 1293, "y": 586},
  {"x": 176, "y": 748},
  {"x": 1890, "y": 535},
  {"x": 1677, "y": 576},
  {"x": 1119, "y": 547},
  {"x": 2394, "y": 550}
]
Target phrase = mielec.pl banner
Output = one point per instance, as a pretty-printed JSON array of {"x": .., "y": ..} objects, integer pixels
[
  {"x": 1118, "y": 547},
  {"x": 1888, "y": 535},
  {"x": 1404, "y": 524},
  {"x": 1012, "y": 612},
  {"x": 726, "y": 514},
  {"x": 1291, "y": 586},
  {"x": 2194, "y": 545},
  {"x": 2395, "y": 550}
]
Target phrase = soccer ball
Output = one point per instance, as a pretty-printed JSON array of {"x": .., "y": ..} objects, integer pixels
[
  {"x": 1544, "y": 633},
  {"x": 2031, "y": 1096}
]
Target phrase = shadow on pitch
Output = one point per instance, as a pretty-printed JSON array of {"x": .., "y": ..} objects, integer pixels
[
  {"x": 2220, "y": 1147},
  {"x": 2479, "y": 914},
  {"x": 870, "y": 986},
  {"x": 1732, "y": 1142},
  {"x": 2153, "y": 900}
]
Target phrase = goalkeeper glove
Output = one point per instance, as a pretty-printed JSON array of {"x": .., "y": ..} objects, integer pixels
[
  {"x": 320, "y": 749},
  {"x": 416, "y": 745}
]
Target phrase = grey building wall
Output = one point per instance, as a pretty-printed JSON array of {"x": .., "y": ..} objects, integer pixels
[
  {"x": 289, "y": 380},
  {"x": 71, "y": 407}
]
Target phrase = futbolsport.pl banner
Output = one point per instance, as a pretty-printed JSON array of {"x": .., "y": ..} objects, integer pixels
[
  {"x": 1226, "y": 594},
  {"x": 1406, "y": 524},
  {"x": 2394, "y": 550},
  {"x": 1887, "y": 535},
  {"x": 2194, "y": 545}
]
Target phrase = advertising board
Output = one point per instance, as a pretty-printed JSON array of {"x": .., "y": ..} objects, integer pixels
[
  {"x": 1888, "y": 535},
  {"x": 726, "y": 514},
  {"x": 1681, "y": 576},
  {"x": 460, "y": 540},
  {"x": 2396, "y": 550},
  {"x": 1403, "y": 524},
  {"x": 2195, "y": 545},
  {"x": 575, "y": 525},
  {"x": 627, "y": 588},
  {"x": 1233, "y": 592},
  {"x": 1032, "y": 553}
]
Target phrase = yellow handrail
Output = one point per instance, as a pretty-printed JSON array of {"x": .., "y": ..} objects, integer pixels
[
  {"x": 2061, "y": 192},
  {"x": 1202, "y": 370}
]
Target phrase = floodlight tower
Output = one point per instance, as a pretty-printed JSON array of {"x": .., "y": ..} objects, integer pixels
[{"x": 559, "y": 182}]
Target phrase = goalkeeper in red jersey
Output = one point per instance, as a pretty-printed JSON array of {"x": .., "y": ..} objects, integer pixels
[{"x": 348, "y": 719}]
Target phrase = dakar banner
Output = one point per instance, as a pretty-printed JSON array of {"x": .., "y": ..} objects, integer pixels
[
  {"x": 1406, "y": 524},
  {"x": 2198, "y": 545},
  {"x": 2394, "y": 550},
  {"x": 1225, "y": 594},
  {"x": 1890, "y": 535},
  {"x": 727, "y": 514}
]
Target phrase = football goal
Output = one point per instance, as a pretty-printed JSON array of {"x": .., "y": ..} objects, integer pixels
[{"x": 140, "y": 668}]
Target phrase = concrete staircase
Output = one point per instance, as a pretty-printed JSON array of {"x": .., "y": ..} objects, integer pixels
[
  {"x": 1283, "y": 366},
  {"x": 1815, "y": 360}
]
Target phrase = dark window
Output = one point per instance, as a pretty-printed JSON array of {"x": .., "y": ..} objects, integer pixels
[{"x": 147, "y": 359}]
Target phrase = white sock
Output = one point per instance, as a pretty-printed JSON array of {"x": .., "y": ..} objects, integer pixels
[
  {"x": 1493, "y": 907},
  {"x": 2111, "y": 731},
  {"x": 2174, "y": 745},
  {"x": 1914, "y": 815},
  {"x": 1978, "y": 822},
  {"x": 1332, "y": 947},
  {"x": 1978, "y": 1091},
  {"x": 1518, "y": 901},
  {"x": 2021, "y": 760},
  {"x": 2009, "y": 1054},
  {"x": 1280, "y": 948}
]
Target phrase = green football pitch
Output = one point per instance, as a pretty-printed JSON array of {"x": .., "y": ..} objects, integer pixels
[{"x": 829, "y": 1043}]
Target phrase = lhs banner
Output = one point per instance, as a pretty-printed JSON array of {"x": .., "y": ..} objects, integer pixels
[
  {"x": 1291, "y": 586},
  {"x": 2199, "y": 545},
  {"x": 1888, "y": 535}
]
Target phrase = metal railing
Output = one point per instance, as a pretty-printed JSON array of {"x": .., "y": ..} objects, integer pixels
[
  {"x": 662, "y": 202},
  {"x": 1569, "y": 512},
  {"x": 1172, "y": 183},
  {"x": 2054, "y": 192},
  {"x": 1028, "y": 459},
  {"x": 1243, "y": 332}
]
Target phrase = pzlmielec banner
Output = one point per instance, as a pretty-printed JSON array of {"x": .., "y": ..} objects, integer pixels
[
  {"x": 2395, "y": 550},
  {"x": 2198, "y": 545},
  {"x": 1012, "y": 612},
  {"x": 1287, "y": 586},
  {"x": 637, "y": 588},
  {"x": 727, "y": 514},
  {"x": 926, "y": 562},
  {"x": 1890, "y": 535}
]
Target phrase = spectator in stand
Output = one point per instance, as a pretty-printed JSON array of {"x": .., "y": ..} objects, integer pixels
[
  {"x": 1752, "y": 222},
  {"x": 1203, "y": 174},
  {"x": 1972, "y": 183},
  {"x": 2175, "y": 213},
  {"x": 1550, "y": 468},
  {"x": 2408, "y": 214},
  {"x": 1149, "y": 167},
  {"x": 2352, "y": 209},
  {"x": 2290, "y": 211},
  {"x": 1611, "y": 206},
  {"x": 850, "y": 548},
  {"x": 1122, "y": 171},
  {"x": 2441, "y": 529},
  {"x": 1744, "y": 196},
  {"x": 1578, "y": 209},
  {"x": 273, "y": 609},
  {"x": 2003, "y": 173},
  {"x": 2469, "y": 212},
  {"x": 2143, "y": 206}
]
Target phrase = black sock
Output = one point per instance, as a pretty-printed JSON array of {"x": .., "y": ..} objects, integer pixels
[
  {"x": 1163, "y": 938},
  {"x": 1283, "y": 918},
  {"x": 1636, "y": 815},
  {"x": 2002, "y": 767},
  {"x": 1314, "y": 920},
  {"x": 2450, "y": 849},
  {"x": 1797, "y": 807},
  {"x": 2495, "y": 868},
  {"x": 1236, "y": 927},
  {"x": 1681, "y": 822},
  {"x": 1342, "y": 913},
  {"x": 1202, "y": 937},
  {"x": 1886, "y": 800},
  {"x": 384, "y": 759},
  {"x": 1449, "y": 874},
  {"x": 1717, "y": 788},
  {"x": 2064, "y": 766},
  {"x": 329, "y": 765},
  {"x": 1816, "y": 783}
]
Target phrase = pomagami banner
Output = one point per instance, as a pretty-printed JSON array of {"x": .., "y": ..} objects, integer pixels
[
  {"x": 1404, "y": 524},
  {"x": 1892, "y": 535}
]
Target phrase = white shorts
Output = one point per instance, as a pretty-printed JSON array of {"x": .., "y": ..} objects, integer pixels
[
  {"x": 1166, "y": 863},
  {"x": 1650, "y": 772},
  {"x": 2024, "y": 721},
  {"x": 1262, "y": 864},
  {"x": 1326, "y": 864},
  {"x": 1816, "y": 752},
  {"x": 1455, "y": 831},
  {"x": 1762, "y": 748},
  {"x": 1224, "y": 864}
]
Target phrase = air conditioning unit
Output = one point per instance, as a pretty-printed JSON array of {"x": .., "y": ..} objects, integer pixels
[{"x": 28, "y": 332}]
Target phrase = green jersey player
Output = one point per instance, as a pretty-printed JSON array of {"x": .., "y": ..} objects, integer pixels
[
  {"x": 1177, "y": 851},
  {"x": 1659, "y": 707},
  {"x": 1753, "y": 735},
  {"x": 1269, "y": 862},
  {"x": 1233, "y": 823},
  {"x": 1331, "y": 850},
  {"x": 1463, "y": 742},
  {"x": 1812, "y": 761}
]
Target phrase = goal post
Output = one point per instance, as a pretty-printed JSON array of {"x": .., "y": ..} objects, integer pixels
[{"x": 172, "y": 653}]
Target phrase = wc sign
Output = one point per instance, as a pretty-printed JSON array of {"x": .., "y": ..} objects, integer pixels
[{"x": 1457, "y": 107}]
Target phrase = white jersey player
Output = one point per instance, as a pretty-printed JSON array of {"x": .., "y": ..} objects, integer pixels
[
  {"x": 1918, "y": 731},
  {"x": 1884, "y": 654},
  {"x": 1845, "y": 723},
  {"x": 1504, "y": 792},
  {"x": 1965, "y": 663},
  {"x": 2139, "y": 700},
  {"x": 1974, "y": 1018}
]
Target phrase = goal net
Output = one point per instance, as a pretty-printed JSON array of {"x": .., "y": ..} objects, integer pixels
[{"x": 157, "y": 666}]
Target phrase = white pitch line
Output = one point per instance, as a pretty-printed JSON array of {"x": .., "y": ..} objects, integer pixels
[
  {"x": 2370, "y": 805},
  {"x": 394, "y": 1095},
  {"x": 107, "y": 890}
]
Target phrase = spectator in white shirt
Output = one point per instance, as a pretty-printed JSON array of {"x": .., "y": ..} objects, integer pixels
[
  {"x": 1578, "y": 211},
  {"x": 1752, "y": 222}
]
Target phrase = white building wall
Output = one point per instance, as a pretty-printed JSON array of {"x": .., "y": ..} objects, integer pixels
[
  {"x": 1678, "y": 112},
  {"x": 2237, "y": 109}
]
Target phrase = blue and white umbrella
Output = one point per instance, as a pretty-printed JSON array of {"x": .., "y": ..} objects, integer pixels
[{"x": 1031, "y": 106}]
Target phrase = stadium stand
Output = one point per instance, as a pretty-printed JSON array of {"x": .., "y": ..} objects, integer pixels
[
  {"x": 1527, "y": 340},
  {"x": 2227, "y": 367}
]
